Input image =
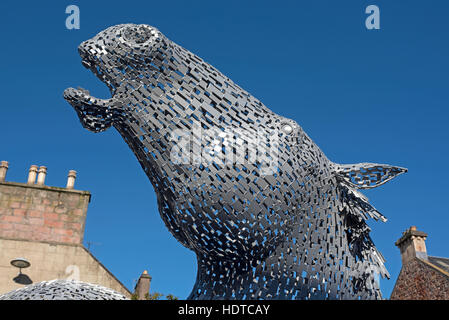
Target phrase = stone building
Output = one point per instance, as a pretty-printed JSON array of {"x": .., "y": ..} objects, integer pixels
[
  {"x": 45, "y": 226},
  {"x": 422, "y": 277}
]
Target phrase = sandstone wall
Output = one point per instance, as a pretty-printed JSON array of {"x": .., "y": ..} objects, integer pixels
[{"x": 52, "y": 261}]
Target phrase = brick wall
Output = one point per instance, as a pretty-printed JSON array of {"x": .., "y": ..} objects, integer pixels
[
  {"x": 42, "y": 213},
  {"x": 419, "y": 281}
]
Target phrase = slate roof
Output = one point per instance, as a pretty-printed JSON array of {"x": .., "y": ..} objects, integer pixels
[{"x": 442, "y": 263}]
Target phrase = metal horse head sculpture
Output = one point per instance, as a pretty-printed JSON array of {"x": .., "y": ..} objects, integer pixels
[{"x": 268, "y": 215}]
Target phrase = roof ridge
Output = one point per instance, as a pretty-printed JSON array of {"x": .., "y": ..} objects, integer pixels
[
  {"x": 439, "y": 257},
  {"x": 430, "y": 264}
]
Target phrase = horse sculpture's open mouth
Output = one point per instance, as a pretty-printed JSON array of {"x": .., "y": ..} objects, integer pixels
[{"x": 95, "y": 114}]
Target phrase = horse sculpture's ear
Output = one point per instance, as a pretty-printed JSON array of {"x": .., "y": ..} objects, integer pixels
[{"x": 367, "y": 175}]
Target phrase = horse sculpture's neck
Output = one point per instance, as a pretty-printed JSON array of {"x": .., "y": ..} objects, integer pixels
[{"x": 313, "y": 269}]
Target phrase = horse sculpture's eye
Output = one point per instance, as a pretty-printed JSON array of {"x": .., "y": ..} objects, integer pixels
[
  {"x": 137, "y": 34},
  {"x": 287, "y": 128}
]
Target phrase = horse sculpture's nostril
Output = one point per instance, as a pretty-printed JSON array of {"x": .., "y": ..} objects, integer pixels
[
  {"x": 82, "y": 50},
  {"x": 86, "y": 64}
]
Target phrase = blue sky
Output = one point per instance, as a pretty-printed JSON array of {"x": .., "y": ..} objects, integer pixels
[{"x": 362, "y": 95}]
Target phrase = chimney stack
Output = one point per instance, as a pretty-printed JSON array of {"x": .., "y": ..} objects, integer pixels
[
  {"x": 412, "y": 244},
  {"x": 143, "y": 285},
  {"x": 71, "y": 179},
  {"x": 32, "y": 174},
  {"x": 3, "y": 170},
  {"x": 41, "y": 176}
]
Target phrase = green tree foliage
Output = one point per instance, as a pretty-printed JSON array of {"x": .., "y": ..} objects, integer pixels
[{"x": 154, "y": 296}]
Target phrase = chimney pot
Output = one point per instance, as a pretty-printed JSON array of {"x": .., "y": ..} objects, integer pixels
[
  {"x": 32, "y": 174},
  {"x": 412, "y": 245},
  {"x": 3, "y": 170},
  {"x": 41, "y": 176},
  {"x": 71, "y": 179}
]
